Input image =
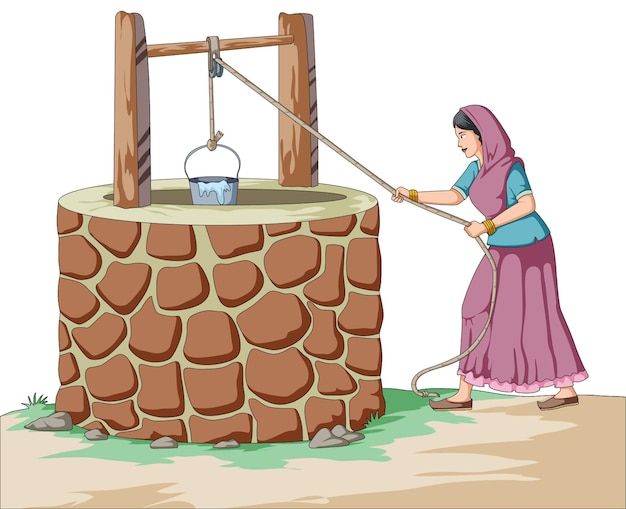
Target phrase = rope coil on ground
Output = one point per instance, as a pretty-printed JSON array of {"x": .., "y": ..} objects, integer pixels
[{"x": 386, "y": 186}]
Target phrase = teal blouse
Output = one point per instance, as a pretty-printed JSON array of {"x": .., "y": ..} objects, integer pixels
[{"x": 521, "y": 232}]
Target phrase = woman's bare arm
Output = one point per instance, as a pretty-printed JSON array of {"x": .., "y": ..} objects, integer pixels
[
  {"x": 450, "y": 197},
  {"x": 524, "y": 206}
]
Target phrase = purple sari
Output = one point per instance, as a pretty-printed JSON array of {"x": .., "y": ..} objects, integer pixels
[{"x": 528, "y": 344}]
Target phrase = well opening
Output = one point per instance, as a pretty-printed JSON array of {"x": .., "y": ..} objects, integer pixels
[{"x": 245, "y": 197}]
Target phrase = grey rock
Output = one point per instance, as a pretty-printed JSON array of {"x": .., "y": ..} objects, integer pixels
[
  {"x": 332, "y": 442},
  {"x": 353, "y": 436},
  {"x": 164, "y": 443},
  {"x": 96, "y": 434},
  {"x": 339, "y": 430},
  {"x": 321, "y": 435},
  {"x": 324, "y": 438},
  {"x": 342, "y": 432},
  {"x": 226, "y": 444},
  {"x": 59, "y": 421}
]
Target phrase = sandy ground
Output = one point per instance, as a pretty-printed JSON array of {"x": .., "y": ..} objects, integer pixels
[{"x": 512, "y": 456}]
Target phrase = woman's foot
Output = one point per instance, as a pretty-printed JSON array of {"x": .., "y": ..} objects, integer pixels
[
  {"x": 460, "y": 397},
  {"x": 565, "y": 397},
  {"x": 446, "y": 404},
  {"x": 565, "y": 392},
  {"x": 462, "y": 400}
]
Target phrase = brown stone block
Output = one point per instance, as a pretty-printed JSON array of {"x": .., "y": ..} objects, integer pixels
[
  {"x": 279, "y": 378},
  {"x": 324, "y": 341},
  {"x": 171, "y": 241},
  {"x": 124, "y": 285},
  {"x": 276, "y": 321},
  {"x": 371, "y": 221},
  {"x": 234, "y": 240},
  {"x": 151, "y": 430},
  {"x": 120, "y": 416},
  {"x": 276, "y": 424},
  {"x": 96, "y": 425},
  {"x": 323, "y": 413},
  {"x": 333, "y": 379},
  {"x": 78, "y": 258},
  {"x": 236, "y": 283},
  {"x": 365, "y": 356},
  {"x": 182, "y": 287},
  {"x": 161, "y": 392},
  {"x": 237, "y": 427},
  {"x": 73, "y": 400},
  {"x": 102, "y": 337},
  {"x": 363, "y": 315},
  {"x": 291, "y": 261},
  {"x": 328, "y": 289},
  {"x": 117, "y": 237},
  {"x": 367, "y": 402},
  {"x": 68, "y": 221},
  {"x": 363, "y": 263},
  {"x": 76, "y": 302},
  {"x": 68, "y": 369},
  {"x": 112, "y": 381},
  {"x": 335, "y": 226},
  {"x": 215, "y": 391},
  {"x": 274, "y": 230},
  {"x": 212, "y": 338},
  {"x": 64, "y": 337},
  {"x": 154, "y": 337}
]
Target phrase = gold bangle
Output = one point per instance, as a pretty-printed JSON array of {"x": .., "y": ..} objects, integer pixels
[
  {"x": 413, "y": 195},
  {"x": 491, "y": 228}
]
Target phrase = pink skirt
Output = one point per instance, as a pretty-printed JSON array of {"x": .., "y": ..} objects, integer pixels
[{"x": 528, "y": 344}]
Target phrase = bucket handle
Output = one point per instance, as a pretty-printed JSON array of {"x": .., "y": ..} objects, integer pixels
[{"x": 204, "y": 146}]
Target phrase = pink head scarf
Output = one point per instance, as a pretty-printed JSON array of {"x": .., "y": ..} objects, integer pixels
[{"x": 488, "y": 192}]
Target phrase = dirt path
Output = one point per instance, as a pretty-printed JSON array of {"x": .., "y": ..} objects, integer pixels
[{"x": 512, "y": 456}]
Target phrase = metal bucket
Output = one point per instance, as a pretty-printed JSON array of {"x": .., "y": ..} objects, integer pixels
[{"x": 213, "y": 190}]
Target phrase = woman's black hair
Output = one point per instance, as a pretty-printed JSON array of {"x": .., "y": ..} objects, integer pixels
[{"x": 462, "y": 121}]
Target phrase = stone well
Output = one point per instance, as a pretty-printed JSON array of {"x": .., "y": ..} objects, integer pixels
[{"x": 258, "y": 322}]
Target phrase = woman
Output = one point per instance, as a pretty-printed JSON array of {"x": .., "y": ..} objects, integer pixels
[{"x": 528, "y": 344}]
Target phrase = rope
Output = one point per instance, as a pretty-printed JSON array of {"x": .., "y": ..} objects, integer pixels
[
  {"x": 214, "y": 71},
  {"x": 211, "y": 111},
  {"x": 384, "y": 184}
]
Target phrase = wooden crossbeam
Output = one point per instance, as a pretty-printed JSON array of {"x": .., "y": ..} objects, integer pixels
[{"x": 184, "y": 48}]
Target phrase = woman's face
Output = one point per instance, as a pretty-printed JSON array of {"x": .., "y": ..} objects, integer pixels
[{"x": 469, "y": 142}]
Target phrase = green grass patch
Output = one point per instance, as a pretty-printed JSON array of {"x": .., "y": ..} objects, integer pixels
[
  {"x": 406, "y": 415},
  {"x": 36, "y": 400}
]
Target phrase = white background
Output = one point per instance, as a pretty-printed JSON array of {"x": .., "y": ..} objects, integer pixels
[{"x": 390, "y": 77}]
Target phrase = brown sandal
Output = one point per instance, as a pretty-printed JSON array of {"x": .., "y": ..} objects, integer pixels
[
  {"x": 554, "y": 403},
  {"x": 444, "y": 404}
]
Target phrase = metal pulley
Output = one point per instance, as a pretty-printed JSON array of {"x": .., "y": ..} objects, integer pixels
[{"x": 215, "y": 69}]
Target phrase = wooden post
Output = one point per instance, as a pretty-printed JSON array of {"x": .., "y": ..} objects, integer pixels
[
  {"x": 131, "y": 180},
  {"x": 297, "y": 163}
]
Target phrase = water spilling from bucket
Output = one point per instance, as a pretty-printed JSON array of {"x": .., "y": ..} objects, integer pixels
[
  {"x": 219, "y": 188},
  {"x": 214, "y": 190}
]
